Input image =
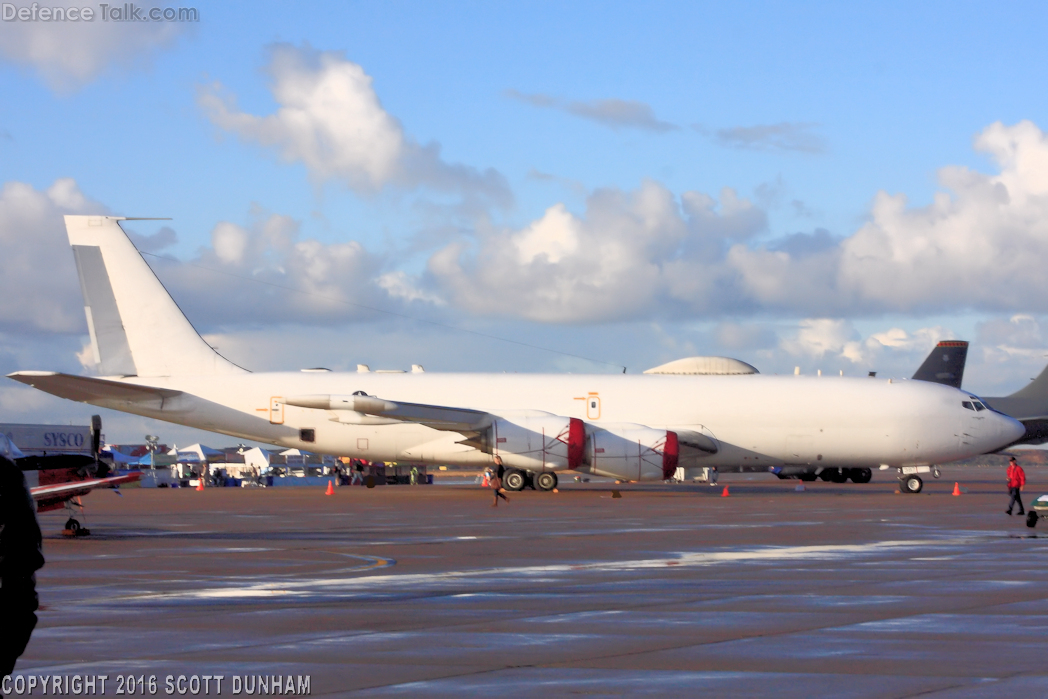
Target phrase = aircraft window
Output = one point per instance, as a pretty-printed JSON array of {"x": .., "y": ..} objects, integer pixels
[
  {"x": 967, "y": 404},
  {"x": 979, "y": 406}
]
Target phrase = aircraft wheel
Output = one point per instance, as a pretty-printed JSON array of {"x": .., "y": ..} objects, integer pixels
[
  {"x": 546, "y": 481},
  {"x": 861, "y": 475},
  {"x": 72, "y": 525},
  {"x": 912, "y": 484},
  {"x": 840, "y": 475},
  {"x": 514, "y": 480},
  {"x": 1031, "y": 519}
]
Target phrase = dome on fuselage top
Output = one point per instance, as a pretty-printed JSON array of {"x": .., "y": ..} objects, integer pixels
[{"x": 711, "y": 366}]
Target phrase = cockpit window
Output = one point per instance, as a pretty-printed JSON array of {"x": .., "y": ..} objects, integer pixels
[
  {"x": 968, "y": 404},
  {"x": 979, "y": 406}
]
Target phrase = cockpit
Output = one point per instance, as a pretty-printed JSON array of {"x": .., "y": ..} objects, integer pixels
[{"x": 973, "y": 404}]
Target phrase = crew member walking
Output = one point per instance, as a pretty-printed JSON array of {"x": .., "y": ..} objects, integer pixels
[
  {"x": 20, "y": 558},
  {"x": 496, "y": 482},
  {"x": 1016, "y": 482}
]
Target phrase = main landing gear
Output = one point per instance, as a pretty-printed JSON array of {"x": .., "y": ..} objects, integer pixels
[
  {"x": 72, "y": 526},
  {"x": 843, "y": 475},
  {"x": 519, "y": 480},
  {"x": 545, "y": 481}
]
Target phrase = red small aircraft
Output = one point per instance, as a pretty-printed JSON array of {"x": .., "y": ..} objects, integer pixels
[{"x": 58, "y": 481}]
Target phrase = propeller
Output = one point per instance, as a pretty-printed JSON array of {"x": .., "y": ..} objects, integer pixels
[{"x": 101, "y": 469}]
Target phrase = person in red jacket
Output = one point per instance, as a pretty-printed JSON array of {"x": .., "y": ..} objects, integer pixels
[{"x": 1016, "y": 482}]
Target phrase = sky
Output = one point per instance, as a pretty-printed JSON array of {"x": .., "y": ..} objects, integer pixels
[{"x": 537, "y": 187}]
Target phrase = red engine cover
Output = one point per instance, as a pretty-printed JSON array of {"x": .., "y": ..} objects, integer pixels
[
  {"x": 669, "y": 456},
  {"x": 577, "y": 443}
]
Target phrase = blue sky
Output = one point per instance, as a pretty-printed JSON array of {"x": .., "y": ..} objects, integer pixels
[{"x": 794, "y": 184}]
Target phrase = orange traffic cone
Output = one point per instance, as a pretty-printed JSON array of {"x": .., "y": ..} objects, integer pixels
[
  {"x": 956, "y": 489},
  {"x": 724, "y": 494},
  {"x": 330, "y": 489},
  {"x": 200, "y": 484}
]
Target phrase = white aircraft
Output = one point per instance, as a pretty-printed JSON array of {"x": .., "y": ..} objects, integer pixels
[{"x": 691, "y": 413}]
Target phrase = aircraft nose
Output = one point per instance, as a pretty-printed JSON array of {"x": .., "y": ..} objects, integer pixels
[{"x": 1009, "y": 429}]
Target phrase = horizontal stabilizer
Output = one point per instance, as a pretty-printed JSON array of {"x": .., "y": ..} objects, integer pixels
[{"x": 90, "y": 390}]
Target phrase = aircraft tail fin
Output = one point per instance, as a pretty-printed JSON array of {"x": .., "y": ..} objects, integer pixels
[
  {"x": 1035, "y": 390},
  {"x": 945, "y": 364},
  {"x": 136, "y": 327}
]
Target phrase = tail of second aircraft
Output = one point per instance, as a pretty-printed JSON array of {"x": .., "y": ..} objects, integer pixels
[
  {"x": 136, "y": 327},
  {"x": 945, "y": 364}
]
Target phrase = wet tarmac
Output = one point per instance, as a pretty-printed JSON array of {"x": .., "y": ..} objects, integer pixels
[{"x": 839, "y": 590}]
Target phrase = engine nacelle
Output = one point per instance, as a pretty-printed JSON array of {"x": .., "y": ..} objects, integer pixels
[
  {"x": 631, "y": 452},
  {"x": 538, "y": 441}
]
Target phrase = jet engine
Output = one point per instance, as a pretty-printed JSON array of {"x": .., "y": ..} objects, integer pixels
[
  {"x": 631, "y": 452},
  {"x": 536, "y": 441}
]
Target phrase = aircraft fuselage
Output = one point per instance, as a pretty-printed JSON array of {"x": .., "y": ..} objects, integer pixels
[{"x": 755, "y": 420}]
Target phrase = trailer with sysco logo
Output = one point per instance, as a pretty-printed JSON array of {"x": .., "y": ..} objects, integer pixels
[{"x": 47, "y": 440}]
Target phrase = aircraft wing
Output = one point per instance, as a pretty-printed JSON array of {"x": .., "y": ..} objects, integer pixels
[
  {"x": 436, "y": 416},
  {"x": 72, "y": 488},
  {"x": 696, "y": 441},
  {"x": 463, "y": 420},
  {"x": 91, "y": 390}
]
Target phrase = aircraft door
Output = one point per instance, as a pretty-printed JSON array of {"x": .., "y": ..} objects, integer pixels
[
  {"x": 276, "y": 410},
  {"x": 593, "y": 407}
]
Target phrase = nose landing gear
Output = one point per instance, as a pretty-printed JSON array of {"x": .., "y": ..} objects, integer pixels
[{"x": 910, "y": 482}]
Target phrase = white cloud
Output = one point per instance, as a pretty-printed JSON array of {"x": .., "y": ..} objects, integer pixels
[
  {"x": 1003, "y": 340},
  {"x": 70, "y": 54},
  {"x": 820, "y": 337},
  {"x": 632, "y": 254},
  {"x": 400, "y": 286},
  {"x": 330, "y": 119},
  {"x": 38, "y": 282},
  {"x": 266, "y": 274},
  {"x": 229, "y": 242},
  {"x": 554, "y": 236},
  {"x": 981, "y": 245},
  {"x": 837, "y": 338}
]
